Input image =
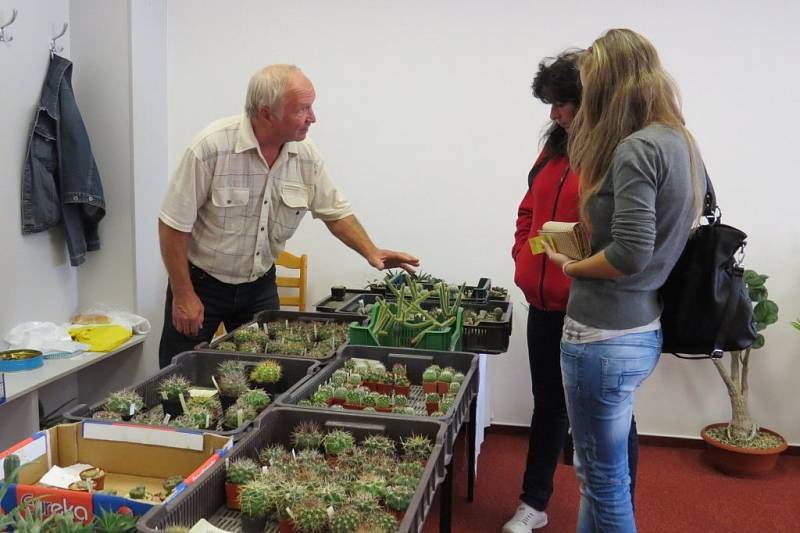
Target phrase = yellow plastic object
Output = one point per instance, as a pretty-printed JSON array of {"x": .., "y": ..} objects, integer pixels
[
  {"x": 101, "y": 338},
  {"x": 293, "y": 262}
]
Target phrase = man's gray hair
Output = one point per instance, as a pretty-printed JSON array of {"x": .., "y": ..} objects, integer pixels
[{"x": 266, "y": 89}]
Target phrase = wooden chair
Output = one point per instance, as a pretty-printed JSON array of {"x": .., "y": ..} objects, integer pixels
[{"x": 293, "y": 262}]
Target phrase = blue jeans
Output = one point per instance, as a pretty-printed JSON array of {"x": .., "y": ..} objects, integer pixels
[{"x": 599, "y": 383}]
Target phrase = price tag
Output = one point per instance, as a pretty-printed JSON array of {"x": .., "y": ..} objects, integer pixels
[
  {"x": 132, "y": 409},
  {"x": 166, "y": 418}
]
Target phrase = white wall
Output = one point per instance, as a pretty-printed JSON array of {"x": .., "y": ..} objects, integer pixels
[
  {"x": 426, "y": 120},
  {"x": 36, "y": 280}
]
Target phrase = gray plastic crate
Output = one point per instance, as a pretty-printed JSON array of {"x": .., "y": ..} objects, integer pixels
[
  {"x": 303, "y": 316},
  {"x": 198, "y": 367},
  {"x": 416, "y": 361},
  {"x": 205, "y": 498},
  {"x": 331, "y": 305}
]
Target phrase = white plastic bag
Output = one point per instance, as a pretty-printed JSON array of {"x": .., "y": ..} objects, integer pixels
[
  {"x": 43, "y": 336},
  {"x": 137, "y": 324}
]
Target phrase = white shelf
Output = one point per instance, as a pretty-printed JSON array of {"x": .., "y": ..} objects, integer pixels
[{"x": 20, "y": 383}]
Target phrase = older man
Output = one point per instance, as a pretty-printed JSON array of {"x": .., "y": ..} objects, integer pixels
[{"x": 237, "y": 196}]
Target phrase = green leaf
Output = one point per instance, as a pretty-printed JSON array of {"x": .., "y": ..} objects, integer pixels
[
  {"x": 757, "y": 294},
  {"x": 796, "y": 324},
  {"x": 766, "y": 312},
  {"x": 759, "y": 342},
  {"x": 754, "y": 279}
]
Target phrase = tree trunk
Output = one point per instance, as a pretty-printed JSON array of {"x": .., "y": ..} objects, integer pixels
[{"x": 741, "y": 426}]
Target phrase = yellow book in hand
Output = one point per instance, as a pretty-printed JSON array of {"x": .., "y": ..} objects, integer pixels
[{"x": 568, "y": 238}]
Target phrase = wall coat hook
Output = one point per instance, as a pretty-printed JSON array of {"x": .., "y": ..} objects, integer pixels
[
  {"x": 3, "y": 37},
  {"x": 53, "y": 47}
]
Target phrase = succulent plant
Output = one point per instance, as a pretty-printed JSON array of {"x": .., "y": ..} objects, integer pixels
[
  {"x": 310, "y": 515},
  {"x": 254, "y": 500},
  {"x": 226, "y": 346},
  {"x": 174, "y": 386},
  {"x": 238, "y": 414},
  {"x": 400, "y": 400},
  {"x": 453, "y": 387},
  {"x": 241, "y": 471},
  {"x": 410, "y": 468},
  {"x": 249, "y": 347},
  {"x": 364, "y": 502},
  {"x": 111, "y": 522},
  {"x": 340, "y": 393},
  {"x": 171, "y": 483},
  {"x": 332, "y": 493},
  {"x": 244, "y": 335},
  {"x": 339, "y": 378},
  {"x": 398, "y": 497},
  {"x": 383, "y": 401},
  {"x": 458, "y": 377},
  {"x": 354, "y": 397},
  {"x": 430, "y": 375},
  {"x": 258, "y": 399},
  {"x": 267, "y": 372},
  {"x": 433, "y": 397},
  {"x": 232, "y": 380},
  {"x": 11, "y": 466},
  {"x": 375, "y": 444},
  {"x": 399, "y": 369},
  {"x": 273, "y": 454},
  {"x": 446, "y": 404},
  {"x": 124, "y": 403},
  {"x": 371, "y": 483},
  {"x": 417, "y": 447},
  {"x": 344, "y": 520},
  {"x": 380, "y": 522},
  {"x": 291, "y": 493},
  {"x": 401, "y": 381},
  {"x": 307, "y": 435},
  {"x": 197, "y": 417},
  {"x": 338, "y": 441},
  {"x": 106, "y": 415},
  {"x": 138, "y": 492},
  {"x": 354, "y": 379},
  {"x": 445, "y": 376}
]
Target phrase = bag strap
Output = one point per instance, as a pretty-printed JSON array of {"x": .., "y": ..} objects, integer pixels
[{"x": 711, "y": 210}]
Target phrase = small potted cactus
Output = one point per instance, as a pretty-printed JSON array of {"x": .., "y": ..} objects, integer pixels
[
  {"x": 339, "y": 378},
  {"x": 226, "y": 346},
  {"x": 339, "y": 395},
  {"x": 443, "y": 383},
  {"x": 432, "y": 400},
  {"x": 417, "y": 448},
  {"x": 307, "y": 436},
  {"x": 237, "y": 473},
  {"x": 354, "y": 399},
  {"x": 337, "y": 442},
  {"x": 139, "y": 492},
  {"x": 402, "y": 385},
  {"x": 383, "y": 403},
  {"x": 171, "y": 483},
  {"x": 255, "y": 506},
  {"x": 310, "y": 515},
  {"x": 268, "y": 375},
  {"x": 124, "y": 403},
  {"x": 344, "y": 520},
  {"x": 96, "y": 475},
  {"x": 238, "y": 415},
  {"x": 429, "y": 378},
  {"x": 258, "y": 399},
  {"x": 84, "y": 485},
  {"x": 231, "y": 381},
  {"x": 172, "y": 390},
  {"x": 398, "y": 498}
]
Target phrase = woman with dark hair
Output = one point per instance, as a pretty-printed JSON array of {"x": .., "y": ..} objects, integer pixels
[
  {"x": 641, "y": 191},
  {"x": 552, "y": 195}
]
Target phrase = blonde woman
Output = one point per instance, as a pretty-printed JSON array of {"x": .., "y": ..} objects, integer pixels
[{"x": 640, "y": 194}]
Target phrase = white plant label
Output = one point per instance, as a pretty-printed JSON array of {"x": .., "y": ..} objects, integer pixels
[
  {"x": 132, "y": 409},
  {"x": 214, "y": 381},
  {"x": 166, "y": 418}
]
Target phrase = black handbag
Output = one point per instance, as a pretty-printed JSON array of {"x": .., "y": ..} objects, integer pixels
[{"x": 707, "y": 308}]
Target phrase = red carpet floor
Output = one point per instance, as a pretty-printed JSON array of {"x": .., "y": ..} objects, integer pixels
[{"x": 677, "y": 491}]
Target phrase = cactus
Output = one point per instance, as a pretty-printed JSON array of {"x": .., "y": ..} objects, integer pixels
[
  {"x": 291, "y": 493},
  {"x": 11, "y": 466},
  {"x": 238, "y": 414},
  {"x": 267, "y": 372},
  {"x": 249, "y": 347},
  {"x": 253, "y": 499},
  {"x": 226, "y": 346},
  {"x": 310, "y": 515},
  {"x": 340, "y": 393},
  {"x": 231, "y": 378},
  {"x": 497, "y": 314},
  {"x": 446, "y": 376},
  {"x": 410, "y": 468},
  {"x": 195, "y": 417},
  {"x": 364, "y": 502},
  {"x": 241, "y": 471},
  {"x": 430, "y": 375},
  {"x": 400, "y": 400},
  {"x": 371, "y": 483},
  {"x": 398, "y": 497},
  {"x": 273, "y": 454},
  {"x": 174, "y": 386},
  {"x": 339, "y": 378},
  {"x": 433, "y": 397},
  {"x": 381, "y": 522},
  {"x": 417, "y": 447},
  {"x": 244, "y": 335},
  {"x": 354, "y": 379},
  {"x": 338, "y": 441},
  {"x": 458, "y": 377},
  {"x": 453, "y": 387},
  {"x": 332, "y": 493},
  {"x": 375, "y": 444},
  {"x": 370, "y": 399},
  {"x": 307, "y": 436},
  {"x": 383, "y": 401},
  {"x": 344, "y": 520},
  {"x": 258, "y": 399},
  {"x": 399, "y": 369},
  {"x": 446, "y": 404},
  {"x": 354, "y": 397},
  {"x": 124, "y": 403}
]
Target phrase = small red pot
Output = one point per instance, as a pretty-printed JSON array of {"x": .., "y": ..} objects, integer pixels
[
  {"x": 429, "y": 386},
  {"x": 232, "y": 491},
  {"x": 431, "y": 407},
  {"x": 442, "y": 387}
]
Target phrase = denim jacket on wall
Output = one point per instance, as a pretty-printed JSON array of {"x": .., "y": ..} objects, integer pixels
[{"x": 60, "y": 180}]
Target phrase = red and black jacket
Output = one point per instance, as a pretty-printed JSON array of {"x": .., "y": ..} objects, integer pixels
[{"x": 553, "y": 195}]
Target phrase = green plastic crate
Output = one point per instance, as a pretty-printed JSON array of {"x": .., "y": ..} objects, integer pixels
[{"x": 450, "y": 339}]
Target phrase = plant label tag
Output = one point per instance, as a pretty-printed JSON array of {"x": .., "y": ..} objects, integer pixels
[
  {"x": 166, "y": 418},
  {"x": 330, "y": 511},
  {"x": 265, "y": 469},
  {"x": 132, "y": 409},
  {"x": 163, "y": 395},
  {"x": 183, "y": 403},
  {"x": 239, "y": 417},
  {"x": 208, "y": 420},
  {"x": 214, "y": 381},
  {"x": 227, "y": 462},
  {"x": 290, "y": 513}
]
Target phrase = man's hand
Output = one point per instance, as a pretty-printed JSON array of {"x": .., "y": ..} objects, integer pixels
[
  {"x": 382, "y": 259},
  {"x": 187, "y": 313}
]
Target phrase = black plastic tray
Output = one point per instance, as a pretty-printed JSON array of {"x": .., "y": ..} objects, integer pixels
[
  {"x": 198, "y": 367},
  {"x": 489, "y": 336},
  {"x": 480, "y": 291},
  {"x": 269, "y": 316},
  {"x": 205, "y": 498},
  {"x": 331, "y": 305},
  {"x": 416, "y": 361}
]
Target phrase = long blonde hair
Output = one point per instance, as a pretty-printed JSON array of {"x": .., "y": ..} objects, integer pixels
[{"x": 624, "y": 90}]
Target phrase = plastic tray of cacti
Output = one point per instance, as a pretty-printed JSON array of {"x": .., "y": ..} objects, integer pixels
[
  {"x": 289, "y": 334},
  {"x": 339, "y": 297},
  {"x": 224, "y": 414},
  {"x": 376, "y": 479},
  {"x": 384, "y": 329},
  {"x": 487, "y": 327},
  {"x": 371, "y": 389},
  {"x": 478, "y": 293}
]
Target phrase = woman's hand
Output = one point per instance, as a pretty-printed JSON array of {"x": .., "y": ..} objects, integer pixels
[{"x": 555, "y": 257}]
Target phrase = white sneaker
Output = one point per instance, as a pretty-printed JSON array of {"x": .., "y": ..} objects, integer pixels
[{"x": 525, "y": 519}]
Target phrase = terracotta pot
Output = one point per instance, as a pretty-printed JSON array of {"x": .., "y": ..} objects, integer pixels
[
  {"x": 354, "y": 407},
  {"x": 403, "y": 391},
  {"x": 750, "y": 462},
  {"x": 232, "y": 491},
  {"x": 429, "y": 386},
  {"x": 337, "y": 401},
  {"x": 99, "y": 482},
  {"x": 442, "y": 387},
  {"x": 383, "y": 409},
  {"x": 285, "y": 525},
  {"x": 431, "y": 407}
]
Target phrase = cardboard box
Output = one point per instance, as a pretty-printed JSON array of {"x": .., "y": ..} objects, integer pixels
[{"x": 131, "y": 455}]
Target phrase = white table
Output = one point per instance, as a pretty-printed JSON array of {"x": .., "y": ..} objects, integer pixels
[{"x": 88, "y": 377}]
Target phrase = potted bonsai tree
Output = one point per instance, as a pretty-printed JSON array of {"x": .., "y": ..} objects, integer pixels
[{"x": 742, "y": 447}]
